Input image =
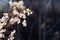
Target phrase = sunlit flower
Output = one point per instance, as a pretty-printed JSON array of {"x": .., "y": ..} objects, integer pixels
[
  {"x": 14, "y": 8},
  {"x": 21, "y": 2},
  {"x": 5, "y": 14},
  {"x": 28, "y": 13},
  {"x": 3, "y": 30},
  {"x": 24, "y": 16},
  {"x": 11, "y": 36},
  {"x": 2, "y": 36},
  {"x": 12, "y": 21},
  {"x": 15, "y": 12},
  {"x": 17, "y": 20},
  {"x": 21, "y": 15},
  {"x": 28, "y": 9},
  {"x": 24, "y": 11},
  {"x": 13, "y": 32},
  {"x": 1, "y": 26},
  {"x": 24, "y": 23},
  {"x": 10, "y": 2},
  {"x": 16, "y": 17}
]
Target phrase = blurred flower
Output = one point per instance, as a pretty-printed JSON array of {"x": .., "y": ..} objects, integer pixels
[
  {"x": 4, "y": 30},
  {"x": 1, "y": 35},
  {"x": 14, "y": 17},
  {"x": 11, "y": 36},
  {"x": 24, "y": 23},
  {"x": 15, "y": 12}
]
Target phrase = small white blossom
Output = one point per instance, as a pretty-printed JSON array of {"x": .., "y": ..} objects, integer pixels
[
  {"x": 31, "y": 12},
  {"x": 13, "y": 32},
  {"x": 12, "y": 21},
  {"x": 24, "y": 23},
  {"x": 21, "y": 15},
  {"x": 28, "y": 9},
  {"x": 1, "y": 25},
  {"x": 21, "y": 2},
  {"x": 11, "y": 36},
  {"x": 10, "y": 2},
  {"x": 18, "y": 21},
  {"x": 3, "y": 19},
  {"x": 28, "y": 13},
  {"x": 3, "y": 30},
  {"x": 2, "y": 36},
  {"x": 15, "y": 12},
  {"x": 24, "y": 16},
  {"x": 5, "y": 14},
  {"x": 24, "y": 11},
  {"x": 14, "y": 3},
  {"x": 14, "y": 8}
]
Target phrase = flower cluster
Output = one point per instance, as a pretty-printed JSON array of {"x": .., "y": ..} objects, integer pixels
[
  {"x": 22, "y": 13},
  {"x": 18, "y": 12},
  {"x": 11, "y": 35}
]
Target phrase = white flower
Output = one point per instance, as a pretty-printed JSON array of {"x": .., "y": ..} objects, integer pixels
[
  {"x": 24, "y": 16},
  {"x": 12, "y": 21},
  {"x": 5, "y": 14},
  {"x": 16, "y": 17},
  {"x": 13, "y": 32},
  {"x": 10, "y": 2},
  {"x": 14, "y": 3},
  {"x": 6, "y": 17},
  {"x": 18, "y": 21},
  {"x": 4, "y": 23},
  {"x": 31, "y": 12},
  {"x": 3, "y": 19},
  {"x": 1, "y": 26},
  {"x": 21, "y": 15},
  {"x": 11, "y": 36},
  {"x": 28, "y": 13},
  {"x": 14, "y": 8},
  {"x": 2, "y": 36},
  {"x": 24, "y": 11},
  {"x": 21, "y": 2},
  {"x": 18, "y": 6},
  {"x": 28, "y": 9},
  {"x": 3, "y": 30},
  {"x": 24, "y": 23},
  {"x": 15, "y": 12}
]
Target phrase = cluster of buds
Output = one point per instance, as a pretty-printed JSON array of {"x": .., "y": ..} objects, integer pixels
[
  {"x": 16, "y": 4},
  {"x": 11, "y": 36},
  {"x": 14, "y": 17},
  {"x": 22, "y": 13},
  {"x": 1, "y": 33}
]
